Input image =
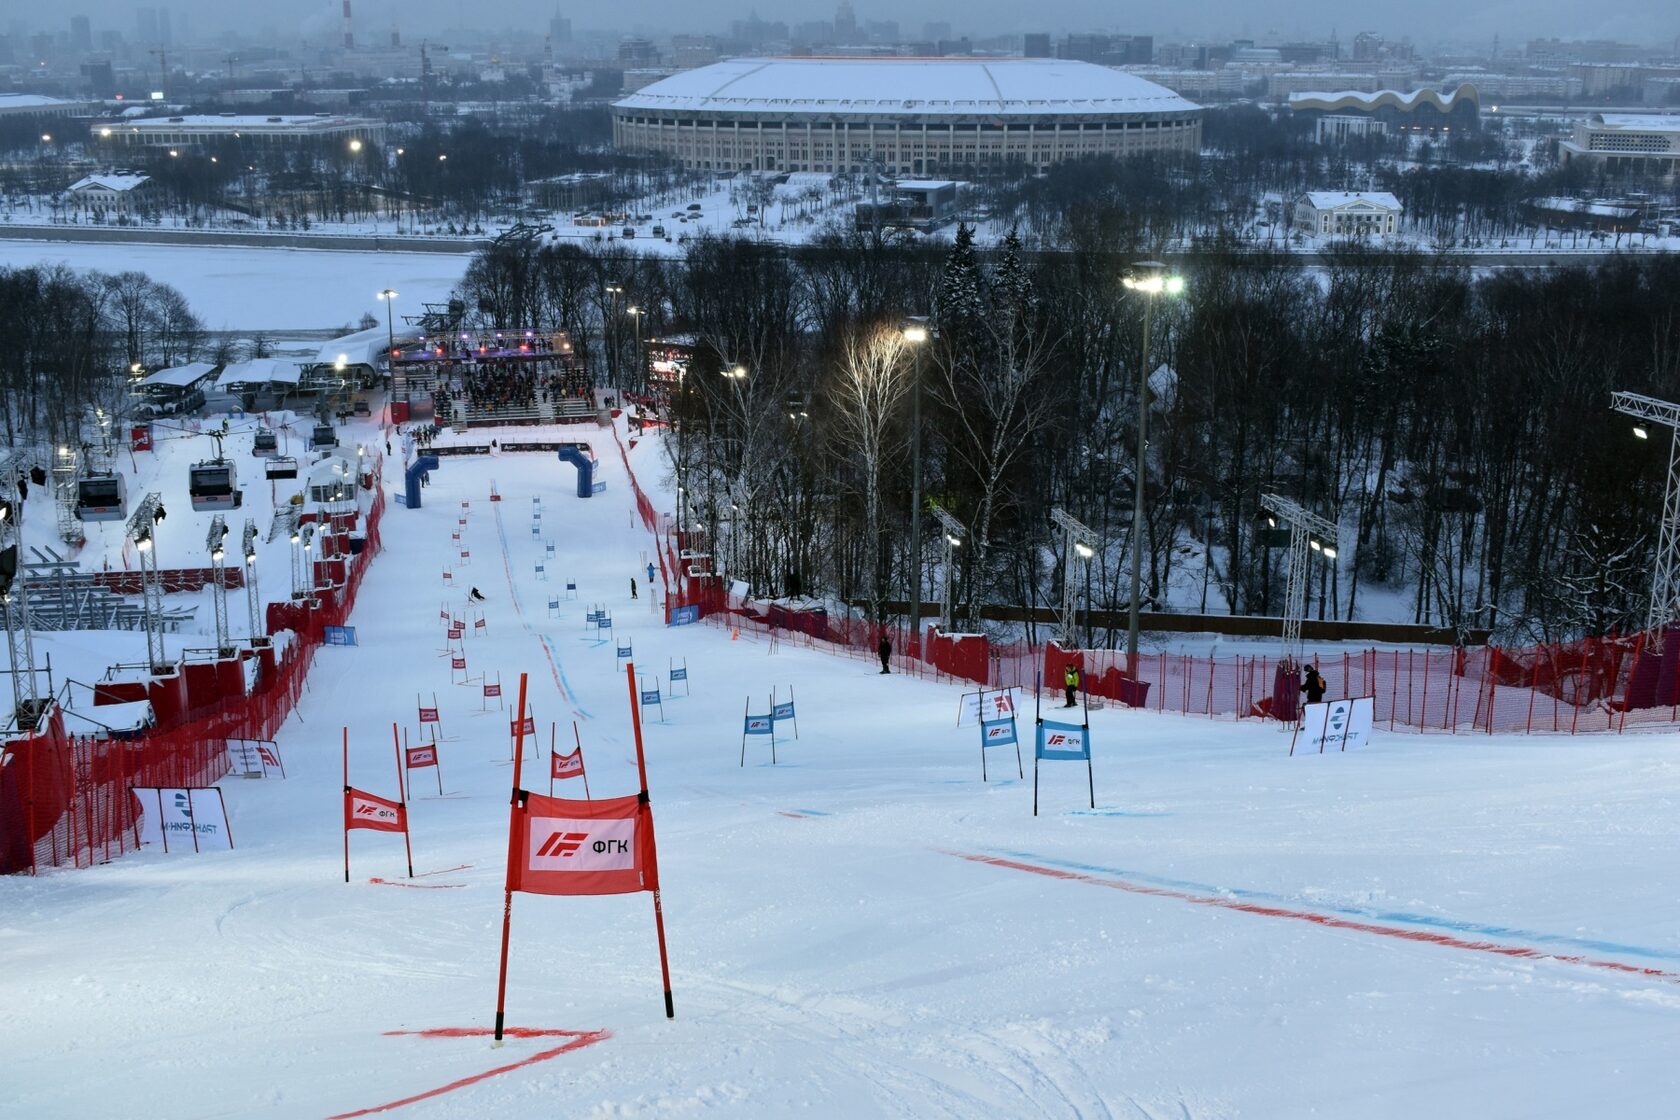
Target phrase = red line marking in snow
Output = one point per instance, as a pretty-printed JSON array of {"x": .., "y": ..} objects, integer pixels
[
  {"x": 577, "y": 1041},
  {"x": 1327, "y": 920},
  {"x": 416, "y": 886}
]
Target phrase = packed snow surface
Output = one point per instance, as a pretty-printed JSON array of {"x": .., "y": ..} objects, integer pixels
[{"x": 1435, "y": 926}]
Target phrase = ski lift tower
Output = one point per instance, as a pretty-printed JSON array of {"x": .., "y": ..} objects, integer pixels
[
  {"x": 142, "y": 530},
  {"x": 1079, "y": 545},
  {"x": 248, "y": 549},
  {"x": 27, "y": 703},
  {"x": 216, "y": 543},
  {"x": 1307, "y": 532},
  {"x": 955, "y": 533},
  {"x": 1665, "y": 574}
]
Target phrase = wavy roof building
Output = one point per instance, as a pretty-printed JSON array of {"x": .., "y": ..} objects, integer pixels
[
  {"x": 909, "y": 116},
  {"x": 1420, "y": 107}
]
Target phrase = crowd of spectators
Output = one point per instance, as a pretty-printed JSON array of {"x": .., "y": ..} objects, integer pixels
[{"x": 509, "y": 389}]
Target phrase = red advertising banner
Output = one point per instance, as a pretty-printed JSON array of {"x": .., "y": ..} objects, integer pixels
[
  {"x": 528, "y": 726},
  {"x": 583, "y": 847},
  {"x": 567, "y": 765},
  {"x": 428, "y": 715},
  {"x": 368, "y": 810},
  {"x": 457, "y": 663},
  {"x": 493, "y": 689},
  {"x": 419, "y": 757},
  {"x": 453, "y": 633}
]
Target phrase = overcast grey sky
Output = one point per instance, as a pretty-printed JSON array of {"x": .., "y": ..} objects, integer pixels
[{"x": 1426, "y": 21}]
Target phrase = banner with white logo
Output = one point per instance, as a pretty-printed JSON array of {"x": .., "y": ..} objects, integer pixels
[
  {"x": 988, "y": 705},
  {"x": 419, "y": 757},
  {"x": 566, "y": 765},
  {"x": 1068, "y": 742},
  {"x": 997, "y": 733},
  {"x": 183, "y": 819},
  {"x": 256, "y": 758},
  {"x": 1337, "y": 725},
  {"x": 582, "y": 847},
  {"x": 367, "y": 810}
]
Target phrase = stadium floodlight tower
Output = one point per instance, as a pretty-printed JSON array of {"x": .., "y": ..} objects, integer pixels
[
  {"x": 142, "y": 530},
  {"x": 1308, "y": 532},
  {"x": 215, "y": 542},
  {"x": 248, "y": 549},
  {"x": 955, "y": 533},
  {"x": 1079, "y": 545},
  {"x": 1665, "y": 574},
  {"x": 28, "y": 705}
]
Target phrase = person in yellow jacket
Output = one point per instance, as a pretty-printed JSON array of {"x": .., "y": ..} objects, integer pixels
[{"x": 1070, "y": 681}]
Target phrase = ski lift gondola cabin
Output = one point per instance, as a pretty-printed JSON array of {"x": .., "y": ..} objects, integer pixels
[
  {"x": 102, "y": 497},
  {"x": 265, "y": 444},
  {"x": 282, "y": 466},
  {"x": 323, "y": 437},
  {"x": 214, "y": 484}
]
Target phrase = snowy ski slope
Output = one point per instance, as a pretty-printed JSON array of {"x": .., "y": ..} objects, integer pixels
[{"x": 1466, "y": 927}]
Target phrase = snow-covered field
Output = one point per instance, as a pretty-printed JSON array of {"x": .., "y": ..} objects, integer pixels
[
  {"x": 264, "y": 289},
  {"x": 1473, "y": 927}
]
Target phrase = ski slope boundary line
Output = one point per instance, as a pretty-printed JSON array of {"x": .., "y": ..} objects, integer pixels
[
  {"x": 554, "y": 668},
  {"x": 1327, "y": 920},
  {"x": 577, "y": 1041}
]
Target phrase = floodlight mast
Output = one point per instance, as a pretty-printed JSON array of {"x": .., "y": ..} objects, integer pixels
[
  {"x": 1307, "y": 531},
  {"x": 20, "y": 644},
  {"x": 215, "y": 544},
  {"x": 142, "y": 530},
  {"x": 248, "y": 550},
  {"x": 1079, "y": 545},
  {"x": 1665, "y": 573},
  {"x": 955, "y": 533}
]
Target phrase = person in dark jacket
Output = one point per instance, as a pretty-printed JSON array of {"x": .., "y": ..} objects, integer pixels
[
  {"x": 1313, "y": 685},
  {"x": 476, "y": 595},
  {"x": 632, "y": 587},
  {"x": 884, "y": 652},
  {"x": 1070, "y": 682}
]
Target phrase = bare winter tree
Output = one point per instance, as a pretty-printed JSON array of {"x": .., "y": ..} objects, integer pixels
[{"x": 868, "y": 391}]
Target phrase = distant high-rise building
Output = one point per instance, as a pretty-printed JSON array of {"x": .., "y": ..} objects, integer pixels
[
  {"x": 881, "y": 30},
  {"x": 81, "y": 33},
  {"x": 1367, "y": 46},
  {"x": 845, "y": 23},
  {"x": 1036, "y": 44},
  {"x": 560, "y": 28},
  {"x": 936, "y": 30},
  {"x": 146, "y": 26},
  {"x": 166, "y": 38}
]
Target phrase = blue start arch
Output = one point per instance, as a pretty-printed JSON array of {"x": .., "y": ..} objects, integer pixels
[
  {"x": 577, "y": 457},
  {"x": 411, "y": 488}
]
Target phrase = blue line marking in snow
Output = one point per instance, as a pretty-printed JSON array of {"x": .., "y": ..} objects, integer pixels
[
  {"x": 1367, "y": 913},
  {"x": 1112, "y": 813},
  {"x": 812, "y": 812}
]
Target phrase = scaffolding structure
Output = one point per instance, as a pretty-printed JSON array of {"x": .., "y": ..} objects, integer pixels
[
  {"x": 1308, "y": 533},
  {"x": 142, "y": 530},
  {"x": 1079, "y": 545},
  {"x": 1665, "y": 572}
]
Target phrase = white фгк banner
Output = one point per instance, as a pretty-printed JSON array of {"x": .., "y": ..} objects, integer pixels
[
  {"x": 1337, "y": 725},
  {"x": 988, "y": 705},
  {"x": 190, "y": 819}
]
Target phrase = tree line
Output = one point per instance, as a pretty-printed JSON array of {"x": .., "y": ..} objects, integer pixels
[{"x": 1455, "y": 425}]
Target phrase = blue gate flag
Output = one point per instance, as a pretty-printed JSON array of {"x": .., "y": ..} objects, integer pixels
[{"x": 1067, "y": 742}]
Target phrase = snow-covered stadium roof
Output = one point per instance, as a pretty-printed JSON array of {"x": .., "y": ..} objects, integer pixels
[
  {"x": 925, "y": 86},
  {"x": 1335, "y": 101},
  {"x": 1640, "y": 122}
]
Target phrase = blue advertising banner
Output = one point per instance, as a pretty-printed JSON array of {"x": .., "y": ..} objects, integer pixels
[
  {"x": 997, "y": 733},
  {"x": 1068, "y": 742}
]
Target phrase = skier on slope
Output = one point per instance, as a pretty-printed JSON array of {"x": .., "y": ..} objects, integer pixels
[
  {"x": 476, "y": 595},
  {"x": 632, "y": 587},
  {"x": 650, "y": 573},
  {"x": 1070, "y": 682},
  {"x": 884, "y": 652}
]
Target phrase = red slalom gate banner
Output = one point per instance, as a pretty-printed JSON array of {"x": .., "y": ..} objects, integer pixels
[
  {"x": 563, "y": 766},
  {"x": 564, "y": 847},
  {"x": 368, "y": 810}
]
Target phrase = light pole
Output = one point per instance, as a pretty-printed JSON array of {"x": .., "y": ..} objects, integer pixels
[
  {"x": 916, "y": 333},
  {"x": 613, "y": 289},
  {"x": 388, "y": 297},
  {"x": 641, "y": 367},
  {"x": 1151, "y": 279},
  {"x": 1665, "y": 574}
]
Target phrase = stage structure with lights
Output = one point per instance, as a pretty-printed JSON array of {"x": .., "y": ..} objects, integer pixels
[
  {"x": 1664, "y": 606},
  {"x": 476, "y": 377},
  {"x": 1079, "y": 545},
  {"x": 955, "y": 533},
  {"x": 902, "y": 116}
]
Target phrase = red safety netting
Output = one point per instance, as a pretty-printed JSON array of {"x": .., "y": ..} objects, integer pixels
[{"x": 64, "y": 801}]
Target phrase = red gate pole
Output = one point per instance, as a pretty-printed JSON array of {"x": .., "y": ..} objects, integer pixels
[
  {"x": 513, "y": 853},
  {"x": 402, "y": 794},
  {"x": 641, "y": 773}
]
